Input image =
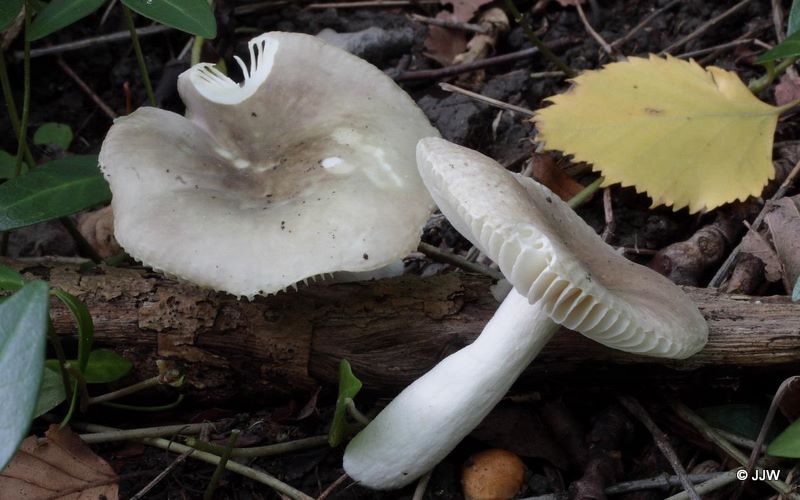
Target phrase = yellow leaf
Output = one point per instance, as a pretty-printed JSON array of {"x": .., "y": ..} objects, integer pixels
[{"x": 685, "y": 135}]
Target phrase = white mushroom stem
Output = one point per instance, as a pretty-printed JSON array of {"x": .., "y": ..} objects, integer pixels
[{"x": 432, "y": 415}]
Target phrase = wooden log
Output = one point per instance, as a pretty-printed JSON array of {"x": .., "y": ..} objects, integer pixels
[{"x": 391, "y": 331}]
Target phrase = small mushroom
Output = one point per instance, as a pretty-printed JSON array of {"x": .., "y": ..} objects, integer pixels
[
  {"x": 305, "y": 168},
  {"x": 562, "y": 273},
  {"x": 493, "y": 474}
]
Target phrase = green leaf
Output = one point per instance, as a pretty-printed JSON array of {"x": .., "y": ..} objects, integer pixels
[
  {"x": 349, "y": 386},
  {"x": 742, "y": 419},
  {"x": 106, "y": 366},
  {"x": 10, "y": 279},
  {"x": 84, "y": 322},
  {"x": 8, "y": 166},
  {"x": 23, "y": 330},
  {"x": 9, "y": 10},
  {"x": 796, "y": 291},
  {"x": 51, "y": 393},
  {"x": 192, "y": 16},
  {"x": 787, "y": 444},
  {"x": 790, "y": 47},
  {"x": 60, "y": 14},
  {"x": 53, "y": 134},
  {"x": 793, "y": 25},
  {"x": 55, "y": 189}
]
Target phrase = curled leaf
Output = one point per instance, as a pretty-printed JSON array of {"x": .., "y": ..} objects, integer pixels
[{"x": 688, "y": 136}]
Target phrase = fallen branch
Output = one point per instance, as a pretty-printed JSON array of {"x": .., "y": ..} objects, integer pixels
[{"x": 391, "y": 331}]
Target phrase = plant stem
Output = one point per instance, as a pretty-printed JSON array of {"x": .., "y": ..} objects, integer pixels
[
  {"x": 126, "y": 391},
  {"x": 148, "y": 409},
  {"x": 789, "y": 106},
  {"x": 587, "y": 192},
  {"x": 262, "y": 451},
  {"x": 137, "y": 48},
  {"x": 26, "y": 95},
  {"x": 759, "y": 84},
  {"x": 546, "y": 52},
  {"x": 83, "y": 246},
  {"x": 223, "y": 460},
  {"x": 197, "y": 50},
  {"x": 80, "y": 380},
  {"x": 62, "y": 359},
  {"x": 13, "y": 115},
  {"x": 145, "y": 432}
]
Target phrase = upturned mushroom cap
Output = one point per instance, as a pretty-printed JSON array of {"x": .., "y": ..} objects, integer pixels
[
  {"x": 306, "y": 168},
  {"x": 550, "y": 254}
]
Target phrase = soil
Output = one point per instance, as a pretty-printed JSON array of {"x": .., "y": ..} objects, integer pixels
[{"x": 556, "y": 429}]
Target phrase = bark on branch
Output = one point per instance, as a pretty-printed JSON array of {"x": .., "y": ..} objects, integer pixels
[{"x": 391, "y": 331}]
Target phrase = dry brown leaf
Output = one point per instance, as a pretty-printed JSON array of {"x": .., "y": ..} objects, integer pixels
[
  {"x": 495, "y": 22},
  {"x": 783, "y": 221},
  {"x": 787, "y": 90},
  {"x": 443, "y": 44},
  {"x": 754, "y": 244},
  {"x": 59, "y": 467},
  {"x": 464, "y": 10},
  {"x": 98, "y": 229},
  {"x": 547, "y": 172}
]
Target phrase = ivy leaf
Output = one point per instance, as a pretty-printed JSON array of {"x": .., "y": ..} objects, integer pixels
[
  {"x": 349, "y": 386},
  {"x": 55, "y": 189},
  {"x": 10, "y": 279},
  {"x": 685, "y": 135},
  {"x": 790, "y": 47},
  {"x": 106, "y": 366},
  {"x": 23, "y": 330},
  {"x": 83, "y": 320},
  {"x": 195, "y": 17},
  {"x": 787, "y": 444},
  {"x": 793, "y": 25},
  {"x": 9, "y": 10},
  {"x": 60, "y": 14},
  {"x": 53, "y": 134},
  {"x": 8, "y": 165},
  {"x": 51, "y": 393}
]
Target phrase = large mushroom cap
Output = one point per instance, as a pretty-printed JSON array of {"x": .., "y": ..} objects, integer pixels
[
  {"x": 305, "y": 168},
  {"x": 550, "y": 254}
]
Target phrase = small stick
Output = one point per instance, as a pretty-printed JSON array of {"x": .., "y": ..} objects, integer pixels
[
  {"x": 712, "y": 484},
  {"x": 447, "y": 87},
  {"x": 86, "y": 89},
  {"x": 739, "y": 440},
  {"x": 722, "y": 46},
  {"x": 536, "y": 41},
  {"x": 330, "y": 489},
  {"x": 422, "y": 485},
  {"x": 436, "y": 253},
  {"x": 137, "y": 49},
  {"x": 255, "y": 7},
  {"x": 705, "y": 27},
  {"x": 125, "y": 434},
  {"x": 547, "y": 74},
  {"x": 119, "y": 36},
  {"x": 161, "y": 475},
  {"x": 608, "y": 213},
  {"x": 660, "y": 482},
  {"x": 661, "y": 440},
  {"x": 643, "y": 23},
  {"x": 594, "y": 34},
  {"x": 718, "y": 278},
  {"x": 448, "y": 23},
  {"x": 457, "y": 69}
]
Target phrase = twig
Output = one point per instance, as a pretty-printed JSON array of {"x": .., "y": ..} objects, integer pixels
[
  {"x": 594, "y": 34},
  {"x": 369, "y": 3},
  {"x": 722, "y": 46},
  {"x": 125, "y": 434},
  {"x": 712, "y": 484},
  {"x": 457, "y": 69},
  {"x": 137, "y": 48},
  {"x": 718, "y": 278},
  {"x": 447, "y": 87},
  {"x": 661, "y": 440},
  {"x": 705, "y": 27},
  {"x": 706, "y": 430},
  {"x": 220, "y": 470},
  {"x": 537, "y": 42},
  {"x": 762, "y": 434},
  {"x": 249, "y": 472},
  {"x": 448, "y": 23},
  {"x": 422, "y": 485},
  {"x": 777, "y": 20},
  {"x": 546, "y": 74},
  {"x": 643, "y": 23},
  {"x": 86, "y": 89},
  {"x": 458, "y": 261},
  {"x": 252, "y": 8},
  {"x": 661, "y": 482},
  {"x": 330, "y": 489},
  {"x": 608, "y": 214},
  {"x": 738, "y": 440},
  {"x": 118, "y": 36},
  {"x": 161, "y": 475},
  {"x": 26, "y": 96}
]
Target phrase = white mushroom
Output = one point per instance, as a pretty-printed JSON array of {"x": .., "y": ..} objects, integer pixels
[
  {"x": 562, "y": 274},
  {"x": 305, "y": 168}
]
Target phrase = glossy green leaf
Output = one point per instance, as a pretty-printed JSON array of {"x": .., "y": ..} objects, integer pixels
[
  {"x": 790, "y": 47},
  {"x": 787, "y": 443},
  {"x": 106, "y": 366},
  {"x": 192, "y": 16},
  {"x": 23, "y": 331},
  {"x": 60, "y": 14},
  {"x": 10, "y": 279},
  {"x": 796, "y": 291},
  {"x": 793, "y": 25},
  {"x": 83, "y": 320},
  {"x": 349, "y": 386},
  {"x": 55, "y": 189},
  {"x": 51, "y": 393},
  {"x": 9, "y": 10},
  {"x": 53, "y": 134},
  {"x": 742, "y": 419}
]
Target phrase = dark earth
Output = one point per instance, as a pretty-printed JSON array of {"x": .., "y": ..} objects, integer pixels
[{"x": 560, "y": 431}]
